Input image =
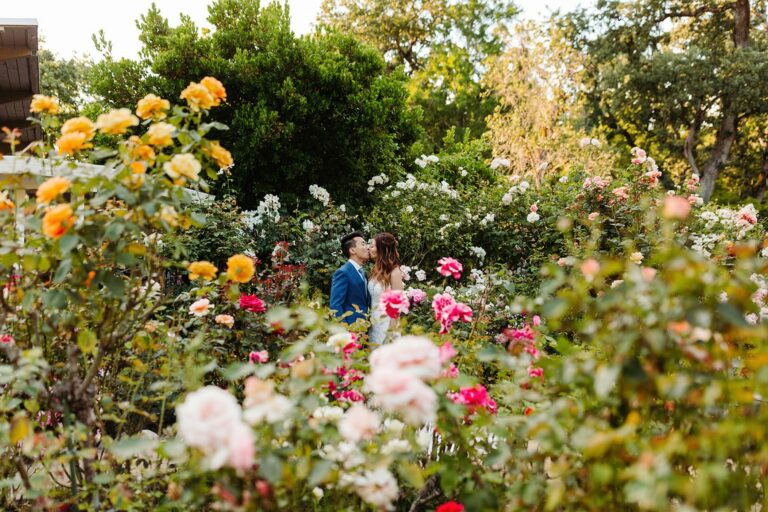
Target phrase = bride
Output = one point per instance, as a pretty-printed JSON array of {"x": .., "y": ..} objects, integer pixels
[{"x": 386, "y": 275}]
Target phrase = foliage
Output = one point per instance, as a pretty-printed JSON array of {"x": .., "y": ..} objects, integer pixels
[
  {"x": 63, "y": 78},
  {"x": 670, "y": 76},
  {"x": 301, "y": 110},
  {"x": 443, "y": 45}
]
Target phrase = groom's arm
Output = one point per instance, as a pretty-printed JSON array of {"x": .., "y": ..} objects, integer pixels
[{"x": 339, "y": 285}]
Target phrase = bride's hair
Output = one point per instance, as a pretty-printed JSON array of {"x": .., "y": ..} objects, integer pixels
[{"x": 387, "y": 257}]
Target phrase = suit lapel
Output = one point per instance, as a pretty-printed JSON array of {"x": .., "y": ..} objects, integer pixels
[{"x": 354, "y": 274}]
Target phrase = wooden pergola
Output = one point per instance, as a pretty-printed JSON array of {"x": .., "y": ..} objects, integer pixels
[{"x": 19, "y": 77}]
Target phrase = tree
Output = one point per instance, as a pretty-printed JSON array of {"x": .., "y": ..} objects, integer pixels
[
  {"x": 442, "y": 44},
  {"x": 301, "y": 111},
  {"x": 679, "y": 77},
  {"x": 536, "y": 83},
  {"x": 63, "y": 78}
]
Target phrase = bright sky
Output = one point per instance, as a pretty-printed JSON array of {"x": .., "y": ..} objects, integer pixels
[{"x": 67, "y": 26}]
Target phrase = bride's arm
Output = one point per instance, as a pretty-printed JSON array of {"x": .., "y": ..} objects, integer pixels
[{"x": 395, "y": 283}]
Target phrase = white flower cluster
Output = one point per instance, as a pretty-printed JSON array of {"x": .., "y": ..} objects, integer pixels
[
  {"x": 424, "y": 160},
  {"x": 320, "y": 194},
  {"x": 479, "y": 252},
  {"x": 488, "y": 219},
  {"x": 411, "y": 183},
  {"x": 586, "y": 141},
  {"x": 738, "y": 222},
  {"x": 705, "y": 243},
  {"x": 269, "y": 208},
  {"x": 379, "y": 179},
  {"x": 421, "y": 275},
  {"x": 308, "y": 226},
  {"x": 406, "y": 270},
  {"x": 500, "y": 162},
  {"x": 520, "y": 188},
  {"x": 760, "y": 297}
]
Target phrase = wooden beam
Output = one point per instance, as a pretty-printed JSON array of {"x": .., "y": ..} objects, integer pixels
[
  {"x": 7, "y": 53},
  {"x": 7, "y": 97}
]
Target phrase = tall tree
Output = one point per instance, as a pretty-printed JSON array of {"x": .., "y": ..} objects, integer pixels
[
  {"x": 300, "y": 110},
  {"x": 442, "y": 44},
  {"x": 63, "y": 78},
  {"x": 536, "y": 123},
  {"x": 677, "y": 76}
]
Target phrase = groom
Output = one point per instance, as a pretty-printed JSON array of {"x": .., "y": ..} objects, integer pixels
[{"x": 349, "y": 287}]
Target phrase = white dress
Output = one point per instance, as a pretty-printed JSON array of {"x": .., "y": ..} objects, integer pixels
[{"x": 379, "y": 319}]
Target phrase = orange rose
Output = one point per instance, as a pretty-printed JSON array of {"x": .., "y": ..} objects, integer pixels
[
  {"x": 198, "y": 96},
  {"x": 160, "y": 134},
  {"x": 116, "y": 121},
  {"x": 79, "y": 125},
  {"x": 202, "y": 269},
  {"x": 44, "y": 104},
  {"x": 216, "y": 89},
  {"x": 240, "y": 268},
  {"x": 222, "y": 156},
  {"x": 71, "y": 143},
  {"x": 151, "y": 106},
  {"x": 51, "y": 188},
  {"x": 57, "y": 220},
  {"x": 5, "y": 203}
]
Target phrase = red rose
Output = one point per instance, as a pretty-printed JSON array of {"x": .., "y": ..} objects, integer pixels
[
  {"x": 252, "y": 303},
  {"x": 450, "y": 506}
]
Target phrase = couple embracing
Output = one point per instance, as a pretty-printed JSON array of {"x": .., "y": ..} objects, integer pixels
[{"x": 354, "y": 293}]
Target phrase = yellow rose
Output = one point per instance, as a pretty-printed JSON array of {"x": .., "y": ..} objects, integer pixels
[
  {"x": 57, "y": 220},
  {"x": 160, "y": 134},
  {"x": 240, "y": 268},
  {"x": 169, "y": 215},
  {"x": 198, "y": 96},
  {"x": 139, "y": 151},
  {"x": 116, "y": 121},
  {"x": 51, "y": 188},
  {"x": 216, "y": 89},
  {"x": 71, "y": 143},
  {"x": 204, "y": 269},
  {"x": 5, "y": 203},
  {"x": 183, "y": 165},
  {"x": 44, "y": 104},
  {"x": 79, "y": 125},
  {"x": 151, "y": 106},
  {"x": 222, "y": 156}
]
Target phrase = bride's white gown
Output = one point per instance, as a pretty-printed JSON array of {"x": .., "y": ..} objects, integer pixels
[{"x": 379, "y": 319}]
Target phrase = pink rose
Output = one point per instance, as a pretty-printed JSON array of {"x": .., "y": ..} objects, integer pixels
[
  {"x": 475, "y": 398},
  {"x": 450, "y": 267},
  {"x": 534, "y": 208},
  {"x": 252, "y": 303},
  {"x": 536, "y": 320},
  {"x": 621, "y": 193},
  {"x": 241, "y": 447},
  {"x": 593, "y": 216},
  {"x": 639, "y": 156},
  {"x": 359, "y": 423},
  {"x": 395, "y": 303},
  {"x": 402, "y": 393},
  {"x": 416, "y": 295},
  {"x": 227, "y": 320},
  {"x": 414, "y": 355},
  {"x": 451, "y": 372},
  {"x": 676, "y": 207},
  {"x": 648, "y": 274},
  {"x": 590, "y": 268},
  {"x": 259, "y": 357},
  {"x": 7, "y": 338},
  {"x": 534, "y": 371},
  {"x": 446, "y": 352}
]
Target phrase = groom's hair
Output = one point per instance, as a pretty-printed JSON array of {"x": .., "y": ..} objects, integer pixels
[{"x": 348, "y": 242}]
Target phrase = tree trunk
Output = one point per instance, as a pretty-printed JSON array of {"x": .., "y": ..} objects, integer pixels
[
  {"x": 726, "y": 133},
  {"x": 762, "y": 178}
]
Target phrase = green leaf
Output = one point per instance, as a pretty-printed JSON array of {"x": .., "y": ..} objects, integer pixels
[
  {"x": 271, "y": 468},
  {"x": 54, "y": 299},
  {"x": 67, "y": 243},
  {"x": 114, "y": 284},
  {"x": 411, "y": 473},
  {"x": 86, "y": 341},
  {"x": 114, "y": 230},
  {"x": 237, "y": 371},
  {"x": 320, "y": 472},
  {"x": 132, "y": 446},
  {"x": 61, "y": 273}
]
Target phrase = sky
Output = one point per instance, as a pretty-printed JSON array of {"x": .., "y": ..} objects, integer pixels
[{"x": 67, "y": 26}]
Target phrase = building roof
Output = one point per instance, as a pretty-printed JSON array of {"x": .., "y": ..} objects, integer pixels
[{"x": 19, "y": 77}]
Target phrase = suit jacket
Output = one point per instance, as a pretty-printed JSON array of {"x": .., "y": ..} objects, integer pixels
[{"x": 349, "y": 294}]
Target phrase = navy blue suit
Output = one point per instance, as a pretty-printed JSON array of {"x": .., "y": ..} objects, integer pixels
[{"x": 349, "y": 293}]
